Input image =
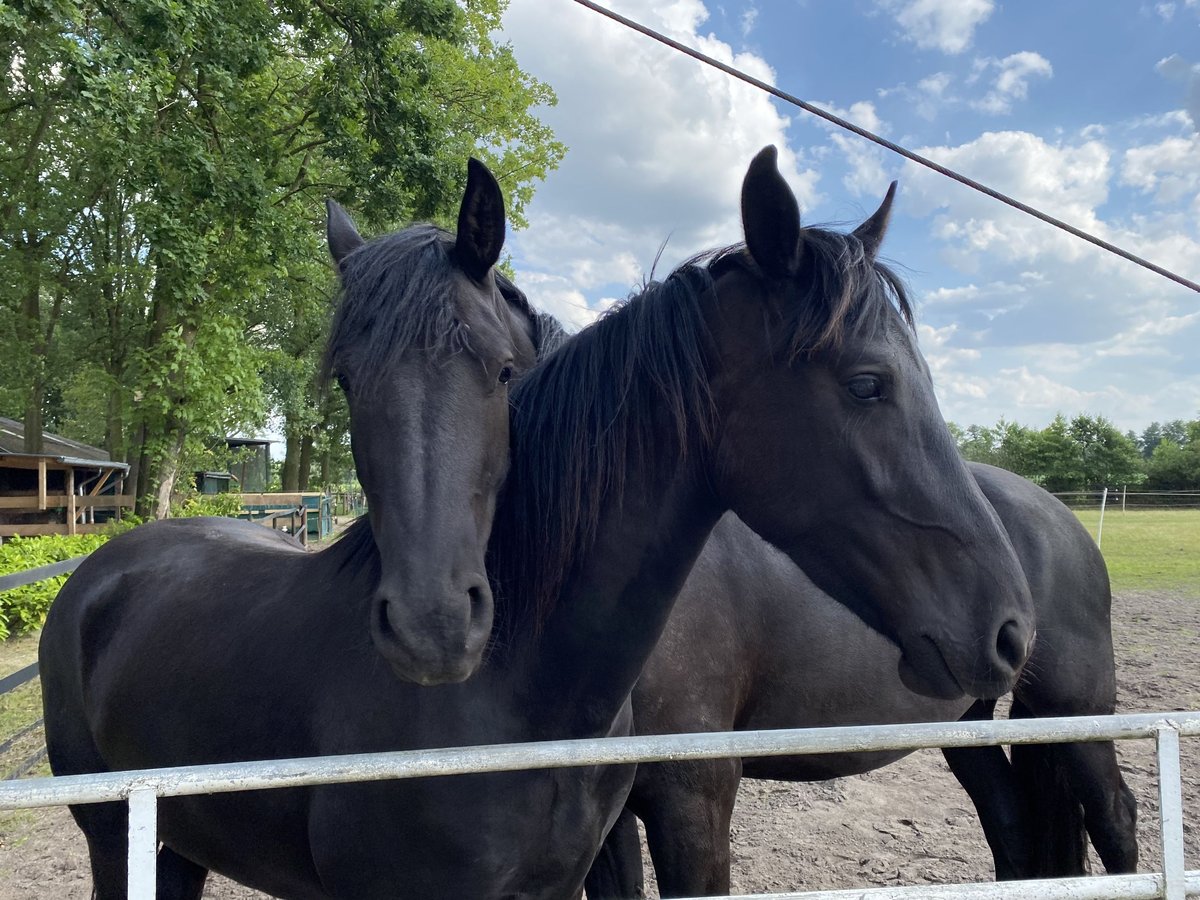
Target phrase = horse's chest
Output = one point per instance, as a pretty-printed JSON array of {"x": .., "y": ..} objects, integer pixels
[{"x": 498, "y": 837}]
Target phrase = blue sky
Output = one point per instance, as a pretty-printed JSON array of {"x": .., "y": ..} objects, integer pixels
[{"x": 1089, "y": 110}]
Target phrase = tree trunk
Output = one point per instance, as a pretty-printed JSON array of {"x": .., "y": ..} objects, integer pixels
[
  {"x": 167, "y": 472},
  {"x": 306, "y": 448},
  {"x": 289, "y": 472},
  {"x": 326, "y": 467},
  {"x": 31, "y": 328}
]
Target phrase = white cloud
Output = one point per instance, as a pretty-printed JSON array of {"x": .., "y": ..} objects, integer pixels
[
  {"x": 1069, "y": 181},
  {"x": 1169, "y": 169},
  {"x": 1011, "y": 82},
  {"x": 1176, "y": 68},
  {"x": 748, "y": 21},
  {"x": 946, "y": 25},
  {"x": 661, "y": 150},
  {"x": 935, "y": 85},
  {"x": 929, "y": 97},
  {"x": 867, "y": 174},
  {"x": 1060, "y": 325},
  {"x": 557, "y": 296}
]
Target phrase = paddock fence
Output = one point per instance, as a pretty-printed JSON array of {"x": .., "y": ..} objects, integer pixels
[
  {"x": 142, "y": 789},
  {"x": 23, "y": 739},
  {"x": 1124, "y": 498}
]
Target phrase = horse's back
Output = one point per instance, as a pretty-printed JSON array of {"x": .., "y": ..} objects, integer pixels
[
  {"x": 139, "y": 608},
  {"x": 1069, "y": 581}
]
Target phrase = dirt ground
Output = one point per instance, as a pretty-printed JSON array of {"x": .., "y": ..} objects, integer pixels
[{"x": 906, "y": 824}]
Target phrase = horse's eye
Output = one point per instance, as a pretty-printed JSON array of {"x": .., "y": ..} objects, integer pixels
[
  {"x": 865, "y": 387},
  {"x": 505, "y": 375}
]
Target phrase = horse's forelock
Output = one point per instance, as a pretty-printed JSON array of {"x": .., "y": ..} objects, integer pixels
[
  {"x": 392, "y": 299},
  {"x": 843, "y": 288}
]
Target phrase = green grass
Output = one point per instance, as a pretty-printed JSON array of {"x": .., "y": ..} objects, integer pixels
[
  {"x": 1149, "y": 548},
  {"x": 20, "y": 707}
]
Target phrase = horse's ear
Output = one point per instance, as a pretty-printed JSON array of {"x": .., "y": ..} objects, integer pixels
[
  {"x": 770, "y": 217},
  {"x": 871, "y": 232},
  {"x": 343, "y": 237},
  {"x": 480, "y": 222}
]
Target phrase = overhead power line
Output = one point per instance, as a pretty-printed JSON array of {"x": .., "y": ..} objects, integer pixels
[{"x": 890, "y": 145}]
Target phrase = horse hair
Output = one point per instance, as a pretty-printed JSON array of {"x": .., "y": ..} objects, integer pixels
[
  {"x": 595, "y": 407},
  {"x": 393, "y": 298},
  {"x": 601, "y": 393}
]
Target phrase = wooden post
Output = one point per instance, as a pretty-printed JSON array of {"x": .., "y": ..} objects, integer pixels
[
  {"x": 41, "y": 484},
  {"x": 71, "y": 500}
]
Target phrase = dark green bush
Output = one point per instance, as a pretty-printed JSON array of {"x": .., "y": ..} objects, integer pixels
[{"x": 24, "y": 609}]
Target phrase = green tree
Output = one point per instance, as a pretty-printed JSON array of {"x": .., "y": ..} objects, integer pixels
[
  {"x": 1105, "y": 455},
  {"x": 1175, "y": 465},
  {"x": 166, "y": 223}
]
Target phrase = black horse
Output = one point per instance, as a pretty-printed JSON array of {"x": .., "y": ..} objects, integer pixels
[
  {"x": 777, "y": 380},
  {"x": 754, "y": 644}
]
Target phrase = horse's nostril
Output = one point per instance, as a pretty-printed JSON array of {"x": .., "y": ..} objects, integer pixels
[
  {"x": 476, "y": 597},
  {"x": 1010, "y": 645},
  {"x": 382, "y": 620}
]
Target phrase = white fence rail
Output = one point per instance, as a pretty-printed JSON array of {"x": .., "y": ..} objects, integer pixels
[{"x": 143, "y": 788}]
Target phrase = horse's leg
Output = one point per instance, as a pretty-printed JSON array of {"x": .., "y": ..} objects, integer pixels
[
  {"x": 686, "y": 810},
  {"x": 106, "y": 827},
  {"x": 179, "y": 878},
  {"x": 987, "y": 777},
  {"x": 1082, "y": 774},
  {"x": 1057, "y": 840},
  {"x": 1109, "y": 808},
  {"x": 616, "y": 873}
]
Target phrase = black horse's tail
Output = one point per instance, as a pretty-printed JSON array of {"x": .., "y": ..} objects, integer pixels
[{"x": 1058, "y": 846}]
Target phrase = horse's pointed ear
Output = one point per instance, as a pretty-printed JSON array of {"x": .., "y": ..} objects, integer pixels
[
  {"x": 770, "y": 217},
  {"x": 480, "y": 222},
  {"x": 343, "y": 237},
  {"x": 871, "y": 232}
]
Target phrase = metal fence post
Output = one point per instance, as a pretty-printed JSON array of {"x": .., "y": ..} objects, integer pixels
[
  {"x": 1171, "y": 812},
  {"x": 1100, "y": 528},
  {"x": 143, "y": 844}
]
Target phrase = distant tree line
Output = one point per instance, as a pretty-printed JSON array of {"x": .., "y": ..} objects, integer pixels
[
  {"x": 1089, "y": 452},
  {"x": 163, "y": 171}
]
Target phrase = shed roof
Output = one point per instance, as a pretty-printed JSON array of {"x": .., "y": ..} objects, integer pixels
[{"x": 65, "y": 450}]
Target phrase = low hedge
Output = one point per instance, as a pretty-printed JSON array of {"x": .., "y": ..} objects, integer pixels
[{"x": 24, "y": 609}]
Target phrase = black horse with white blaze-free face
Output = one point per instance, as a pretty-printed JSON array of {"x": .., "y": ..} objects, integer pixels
[
  {"x": 423, "y": 344},
  {"x": 778, "y": 381}
]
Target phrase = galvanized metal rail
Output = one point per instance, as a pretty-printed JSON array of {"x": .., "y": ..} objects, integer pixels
[
  {"x": 29, "y": 576},
  {"x": 142, "y": 788}
]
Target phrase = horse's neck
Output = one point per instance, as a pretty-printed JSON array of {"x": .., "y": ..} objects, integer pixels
[{"x": 615, "y": 603}]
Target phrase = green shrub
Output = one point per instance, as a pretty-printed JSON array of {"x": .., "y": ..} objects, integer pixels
[
  {"x": 208, "y": 505},
  {"x": 24, "y": 609}
]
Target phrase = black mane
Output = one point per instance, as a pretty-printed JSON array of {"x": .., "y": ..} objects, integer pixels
[
  {"x": 586, "y": 414},
  {"x": 594, "y": 408},
  {"x": 843, "y": 289}
]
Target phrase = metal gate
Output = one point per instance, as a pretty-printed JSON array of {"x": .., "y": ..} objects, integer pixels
[{"x": 143, "y": 788}]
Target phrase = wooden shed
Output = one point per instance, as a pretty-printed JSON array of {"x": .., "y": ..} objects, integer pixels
[{"x": 69, "y": 488}]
